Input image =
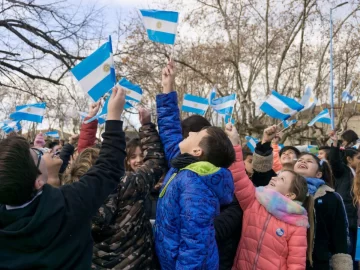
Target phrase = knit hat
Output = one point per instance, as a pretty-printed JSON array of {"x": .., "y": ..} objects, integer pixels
[{"x": 39, "y": 140}]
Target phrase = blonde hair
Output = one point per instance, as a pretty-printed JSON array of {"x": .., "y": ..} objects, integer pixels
[
  {"x": 300, "y": 188},
  {"x": 84, "y": 161}
]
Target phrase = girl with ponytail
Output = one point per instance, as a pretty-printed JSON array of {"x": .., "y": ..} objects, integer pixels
[{"x": 331, "y": 231}]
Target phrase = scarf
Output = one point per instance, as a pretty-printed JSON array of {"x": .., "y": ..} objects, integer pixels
[
  {"x": 183, "y": 160},
  {"x": 314, "y": 184},
  {"x": 281, "y": 207}
]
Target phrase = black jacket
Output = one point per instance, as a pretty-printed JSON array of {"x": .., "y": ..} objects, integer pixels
[
  {"x": 331, "y": 230},
  {"x": 227, "y": 233},
  {"x": 343, "y": 184},
  {"x": 66, "y": 152},
  {"x": 54, "y": 230}
]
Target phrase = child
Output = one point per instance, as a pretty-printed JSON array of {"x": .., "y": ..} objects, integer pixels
[
  {"x": 275, "y": 222},
  {"x": 193, "y": 190}
]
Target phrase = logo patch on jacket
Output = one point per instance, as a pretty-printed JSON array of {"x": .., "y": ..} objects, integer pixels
[{"x": 279, "y": 232}]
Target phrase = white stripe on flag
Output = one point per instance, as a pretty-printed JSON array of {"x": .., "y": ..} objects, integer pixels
[
  {"x": 159, "y": 25},
  {"x": 33, "y": 110},
  {"x": 279, "y": 105},
  {"x": 131, "y": 93},
  {"x": 96, "y": 76},
  {"x": 227, "y": 104},
  {"x": 196, "y": 105}
]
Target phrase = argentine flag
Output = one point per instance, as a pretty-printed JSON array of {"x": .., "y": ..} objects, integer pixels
[
  {"x": 323, "y": 117},
  {"x": 228, "y": 118},
  {"x": 309, "y": 99},
  {"x": 280, "y": 107},
  {"x": 161, "y": 26},
  {"x": 251, "y": 143},
  {"x": 96, "y": 73},
  {"x": 346, "y": 97},
  {"x": 13, "y": 126},
  {"x": 195, "y": 104},
  {"x": 288, "y": 123},
  {"x": 53, "y": 134},
  {"x": 30, "y": 112},
  {"x": 212, "y": 95},
  {"x": 224, "y": 105},
  {"x": 133, "y": 91}
]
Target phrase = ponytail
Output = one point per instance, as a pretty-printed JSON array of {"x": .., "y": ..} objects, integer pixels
[{"x": 309, "y": 206}]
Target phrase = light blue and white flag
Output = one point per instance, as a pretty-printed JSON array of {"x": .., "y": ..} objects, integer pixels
[
  {"x": 13, "y": 126},
  {"x": 346, "y": 97},
  {"x": 251, "y": 143},
  {"x": 323, "y": 117},
  {"x": 53, "y": 134},
  {"x": 309, "y": 99},
  {"x": 4, "y": 122},
  {"x": 161, "y": 26},
  {"x": 281, "y": 146},
  {"x": 224, "y": 105},
  {"x": 30, "y": 112},
  {"x": 228, "y": 118},
  {"x": 212, "y": 95},
  {"x": 195, "y": 104},
  {"x": 288, "y": 123},
  {"x": 133, "y": 92},
  {"x": 96, "y": 73},
  {"x": 102, "y": 119},
  {"x": 280, "y": 107}
]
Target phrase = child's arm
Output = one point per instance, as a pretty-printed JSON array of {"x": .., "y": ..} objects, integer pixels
[
  {"x": 88, "y": 131},
  {"x": 276, "y": 158},
  {"x": 169, "y": 115},
  {"x": 297, "y": 244}
]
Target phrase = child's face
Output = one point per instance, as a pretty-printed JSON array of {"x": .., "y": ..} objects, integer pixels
[
  {"x": 248, "y": 164},
  {"x": 282, "y": 183},
  {"x": 288, "y": 157},
  {"x": 190, "y": 145},
  {"x": 322, "y": 154}
]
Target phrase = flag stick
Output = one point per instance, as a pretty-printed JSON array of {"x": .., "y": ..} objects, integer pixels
[{"x": 280, "y": 123}]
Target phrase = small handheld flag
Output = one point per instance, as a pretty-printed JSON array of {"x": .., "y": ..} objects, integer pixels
[
  {"x": 30, "y": 112},
  {"x": 133, "y": 91},
  {"x": 96, "y": 73},
  {"x": 346, "y": 97},
  {"x": 13, "y": 126},
  {"x": 309, "y": 99},
  {"x": 224, "y": 105},
  {"x": 161, "y": 26},
  {"x": 323, "y": 117},
  {"x": 251, "y": 143},
  {"x": 53, "y": 134},
  {"x": 288, "y": 123},
  {"x": 195, "y": 104},
  {"x": 280, "y": 107}
]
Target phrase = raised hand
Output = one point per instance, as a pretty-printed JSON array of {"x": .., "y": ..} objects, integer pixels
[
  {"x": 168, "y": 77},
  {"x": 93, "y": 109},
  {"x": 233, "y": 134},
  {"x": 144, "y": 116},
  {"x": 116, "y": 103},
  {"x": 270, "y": 133},
  {"x": 73, "y": 139},
  {"x": 334, "y": 137}
]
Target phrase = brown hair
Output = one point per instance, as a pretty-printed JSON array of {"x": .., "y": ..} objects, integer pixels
[
  {"x": 130, "y": 150},
  {"x": 18, "y": 171},
  {"x": 85, "y": 160},
  {"x": 300, "y": 188},
  {"x": 356, "y": 186}
]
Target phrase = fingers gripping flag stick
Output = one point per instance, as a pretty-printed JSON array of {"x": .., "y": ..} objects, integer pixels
[
  {"x": 323, "y": 117},
  {"x": 280, "y": 107},
  {"x": 195, "y": 104},
  {"x": 30, "y": 112},
  {"x": 96, "y": 73},
  {"x": 161, "y": 26}
]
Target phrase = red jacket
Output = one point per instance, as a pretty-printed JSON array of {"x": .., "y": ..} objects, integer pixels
[
  {"x": 87, "y": 135},
  {"x": 266, "y": 242}
]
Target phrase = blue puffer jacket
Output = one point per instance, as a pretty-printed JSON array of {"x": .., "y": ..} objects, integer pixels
[{"x": 189, "y": 201}]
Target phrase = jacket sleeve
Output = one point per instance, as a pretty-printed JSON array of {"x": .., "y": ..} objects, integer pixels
[
  {"x": 87, "y": 195},
  {"x": 244, "y": 188},
  {"x": 297, "y": 244},
  {"x": 337, "y": 166},
  {"x": 276, "y": 158},
  {"x": 66, "y": 152},
  {"x": 197, "y": 213},
  {"x": 169, "y": 124},
  {"x": 87, "y": 134},
  {"x": 262, "y": 164}
]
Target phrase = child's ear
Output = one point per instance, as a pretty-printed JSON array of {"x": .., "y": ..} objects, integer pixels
[
  {"x": 197, "y": 152},
  {"x": 319, "y": 175},
  {"x": 291, "y": 196}
]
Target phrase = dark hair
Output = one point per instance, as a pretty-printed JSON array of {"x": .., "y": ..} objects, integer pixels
[
  {"x": 18, "y": 171},
  {"x": 53, "y": 144},
  {"x": 326, "y": 149},
  {"x": 246, "y": 153},
  {"x": 300, "y": 188},
  {"x": 285, "y": 148},
  {"x": 130, "y": 150},
  {"x": 217, "y": 148},
  {"x": 325, "y": 169},
  {"x": 349, "y": 136},
  {"x": 193, "y": 123},
  {"x": 349, "y": 152}
]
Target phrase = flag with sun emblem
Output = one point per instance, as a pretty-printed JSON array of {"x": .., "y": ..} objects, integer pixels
[
  {"x": 161, "y": 25},
  {"x": 96, "y": 73},
  {"x": 29, "y": 112},
  {"x": 309, "y": 99},
  {"x": 280, "y": 107}
]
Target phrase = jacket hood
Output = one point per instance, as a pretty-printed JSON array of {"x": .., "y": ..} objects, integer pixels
[
  {"x": 34, "y": 226},
  {"x": 219, "y": 180}
]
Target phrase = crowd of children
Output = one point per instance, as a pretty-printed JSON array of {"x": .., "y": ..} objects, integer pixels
[{"x": 216, "y": 205}]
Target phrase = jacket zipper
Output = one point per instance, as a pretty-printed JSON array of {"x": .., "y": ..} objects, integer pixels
[{"x": 261, "y": 240}]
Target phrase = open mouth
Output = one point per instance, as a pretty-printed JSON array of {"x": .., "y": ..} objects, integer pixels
[{"x": 302, "y": 166}]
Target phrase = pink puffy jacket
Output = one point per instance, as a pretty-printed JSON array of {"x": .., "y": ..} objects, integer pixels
[{"x": 266, "y": 243}]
